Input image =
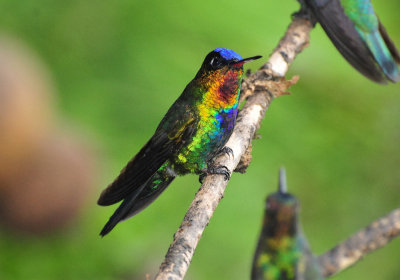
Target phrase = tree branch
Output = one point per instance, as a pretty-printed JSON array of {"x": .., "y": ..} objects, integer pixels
[
  {"x": 259, "y": 90},
  {"x": 374, "y": 236}
]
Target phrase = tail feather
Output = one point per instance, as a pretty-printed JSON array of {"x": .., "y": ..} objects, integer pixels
[
  {"x": 140, "y": 199},
  {"x": 122, "y": 211},
  {"x": 389, "y": 43},
  {"x": 384, "y": 56}
]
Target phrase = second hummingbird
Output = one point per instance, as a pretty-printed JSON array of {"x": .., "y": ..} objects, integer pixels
[
  {"x": 194, "y": 131},
  {"x": 359, "y": 35},
  {"x": 282, "y": 251}
]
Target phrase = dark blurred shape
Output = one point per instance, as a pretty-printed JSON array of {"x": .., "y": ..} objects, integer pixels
[
  {"x": 45, "y": 174},
  {"x": 283, "y": 252}
]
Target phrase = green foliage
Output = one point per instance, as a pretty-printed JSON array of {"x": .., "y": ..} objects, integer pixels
[{"x": 119, "y": 65}]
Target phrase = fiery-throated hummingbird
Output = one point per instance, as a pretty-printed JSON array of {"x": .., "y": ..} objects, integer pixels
[{"x": 194, "y": 131}]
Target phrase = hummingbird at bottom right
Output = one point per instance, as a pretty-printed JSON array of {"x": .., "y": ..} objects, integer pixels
[{"x": 282, "y": 251}]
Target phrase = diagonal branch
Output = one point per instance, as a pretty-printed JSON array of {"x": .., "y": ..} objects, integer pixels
[
  {"x": 259, "y": 90},
  {"x": 373, "y": 237}
]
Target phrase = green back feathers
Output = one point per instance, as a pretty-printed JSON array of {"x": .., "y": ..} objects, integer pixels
[{"x": 361, "y": 14}]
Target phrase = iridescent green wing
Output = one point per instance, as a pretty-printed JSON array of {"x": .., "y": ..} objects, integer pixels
[{"x": 174, "y": 130}]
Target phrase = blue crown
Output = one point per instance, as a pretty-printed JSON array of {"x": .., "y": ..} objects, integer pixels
[{"x": 228, "y": 54}]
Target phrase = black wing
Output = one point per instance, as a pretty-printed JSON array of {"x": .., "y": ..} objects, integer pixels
[
  {"x": 340, "y": 29},
  {"x": 177, "y": 126}
]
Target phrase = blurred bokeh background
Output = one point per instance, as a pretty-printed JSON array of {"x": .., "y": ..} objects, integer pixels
[{"x": 97, "y": 77}]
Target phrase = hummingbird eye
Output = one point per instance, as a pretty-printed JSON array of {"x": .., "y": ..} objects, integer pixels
[{"x": 216, "y": 62}]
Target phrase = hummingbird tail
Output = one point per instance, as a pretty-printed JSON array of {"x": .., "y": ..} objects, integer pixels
[
  {"x": 384, "y": 51},
  {"x": 140, "y": 198},
  {"x": 389, "y": 43},
  {"x": 382, "y": 55}
]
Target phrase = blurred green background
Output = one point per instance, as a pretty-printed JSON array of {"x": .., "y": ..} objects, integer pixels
[{"x": 119, "y": 65}]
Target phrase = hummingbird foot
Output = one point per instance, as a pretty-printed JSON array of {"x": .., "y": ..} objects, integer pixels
[
  {"x": 226, "y": 150},
  {"x": 220, "y": 169}
]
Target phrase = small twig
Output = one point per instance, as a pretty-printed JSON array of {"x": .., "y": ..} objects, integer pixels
[
  {"x": 259, "y": 90},
  {"x": 367, "y": 240}
]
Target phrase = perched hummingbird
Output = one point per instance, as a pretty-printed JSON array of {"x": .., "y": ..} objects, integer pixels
[
  {"x": 283, "y": 252},
  {"x": 194, "y": 131},
  {"x": 360, "y": 37}
]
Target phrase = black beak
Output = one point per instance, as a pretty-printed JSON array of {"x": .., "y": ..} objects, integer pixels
[
  {"x": 243, "y": 61},
  {"x": 250, "y": 58}
]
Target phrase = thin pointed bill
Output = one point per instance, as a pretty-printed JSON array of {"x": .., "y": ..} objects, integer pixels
[
  {"x": 282, "y": 181},
  {"x": 243, "y": 61}
]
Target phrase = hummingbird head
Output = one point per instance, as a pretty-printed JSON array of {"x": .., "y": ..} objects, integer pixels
[
  {"x": 281, "y": 207},
  {"x": 281, "y": 211},
  {"x": 224, "y": 59},
  {"x": 220, "y": 76}
]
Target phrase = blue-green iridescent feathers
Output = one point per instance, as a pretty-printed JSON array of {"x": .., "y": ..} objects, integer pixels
[{"x": 360, "y": 37}]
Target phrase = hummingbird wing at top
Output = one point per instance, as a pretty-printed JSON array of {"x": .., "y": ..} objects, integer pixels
[
  {"x": 341, "y": 31},
  {"x": 173, "y": 132}
]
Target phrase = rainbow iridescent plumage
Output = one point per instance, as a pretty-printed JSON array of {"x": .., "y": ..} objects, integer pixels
[
  {"x": 194, "y": 131},
  {"x": 217, "y": 110}
]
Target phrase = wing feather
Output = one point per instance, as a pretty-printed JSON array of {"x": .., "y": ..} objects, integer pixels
[
  {"x": 340, "y": 29},
  {"x": 167, "y": 140}
]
